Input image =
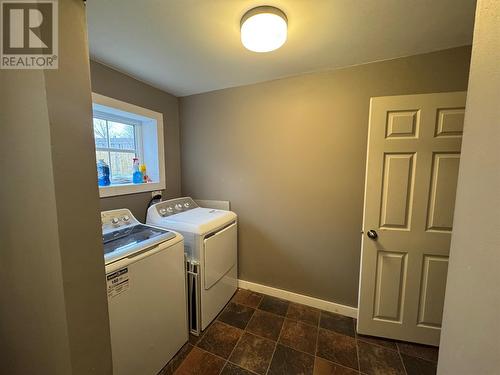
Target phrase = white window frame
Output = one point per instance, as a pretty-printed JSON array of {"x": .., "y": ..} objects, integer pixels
[{"x": 121, "y": 111}]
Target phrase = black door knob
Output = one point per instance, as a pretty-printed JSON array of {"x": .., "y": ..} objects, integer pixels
[{"x": 372, "y": 234}]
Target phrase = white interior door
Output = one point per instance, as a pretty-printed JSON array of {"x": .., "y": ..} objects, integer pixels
[{"x": 411, "y": 177}]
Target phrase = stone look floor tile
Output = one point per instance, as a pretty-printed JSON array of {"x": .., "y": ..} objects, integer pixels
[
  {"x": 302, "y": 313},
  {"x": 265, "y": 324},
  {"x": 231, "y": 369},
  {"x": 274, "y": 305},
  {"x": 200, "y": 362},
  {"x": 376, "y": 360},
  {"x": 220, "y": 339},
  {"x": 380, "y": 341},
  {"x": 337, "y": 348},
  {"x": 236, "y": 315},
  {"x": 418, "y": 366},
  {"x": 299, "y": 336},
  {"x": 324, "y": 367},
  {"x": 193, "y": 339},
  {"x": 253, "y": 353},
  {"x": 337, "y": 323},
  {"x": 287, "y": 361},
  {"x": 240, "y": 332},
  {"x": 176, "y": 361},
  {"x": 247, "y": 298},
  {"x": 427, "y": 352}
]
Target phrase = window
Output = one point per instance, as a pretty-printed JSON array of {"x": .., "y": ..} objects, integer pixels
[
  {"x": 122, "y": 132},
  {"x": 116, "y": 142}
]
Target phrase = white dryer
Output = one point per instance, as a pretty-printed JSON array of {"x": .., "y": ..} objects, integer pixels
[{"x": 210, "y": 241}]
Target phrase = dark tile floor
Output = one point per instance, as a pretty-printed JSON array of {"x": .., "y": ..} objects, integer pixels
[{"x": 259, "y": 334}]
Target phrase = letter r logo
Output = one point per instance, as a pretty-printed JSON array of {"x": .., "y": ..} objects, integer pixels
[{"x": 27, "y": 27}]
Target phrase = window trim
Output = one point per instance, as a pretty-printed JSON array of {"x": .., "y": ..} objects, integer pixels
[{"x": 145, "y": 117}]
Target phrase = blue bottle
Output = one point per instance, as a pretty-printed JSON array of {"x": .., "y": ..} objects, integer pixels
[
  {"x": 103, "y": 173},
  {"x": 137, "y": 175}
]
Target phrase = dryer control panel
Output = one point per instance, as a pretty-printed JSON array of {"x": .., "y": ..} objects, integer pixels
[{"x": 175, "y": 206}]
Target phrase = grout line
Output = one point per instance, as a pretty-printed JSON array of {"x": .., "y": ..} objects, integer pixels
[
  {"x": 206, "y": 351},
  {"x": 289, "y": 303},
  {"x": 340, "y": 334},
  {"x": 277, "y": 340},
  {"x": 244, "y": 304},
  {"x": 401, "y": 359},
  {"x": 275, "y": 346},
  {"x": 244, "y": 368},
  {"x": 267, "y": 338},
  {"x": 298, "y": 321},
  {"x": 234, "y": 348},
  {"x": 230, "y": 354},
  {"x": 223, "y": 367}
]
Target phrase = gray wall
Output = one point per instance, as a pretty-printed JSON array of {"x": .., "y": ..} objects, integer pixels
[
  {"x": 290, "y": 156},
  {"x": 470, "y": 338},
  {"x": 53, "y": 306},
  {"x": 109, "y": 82}
]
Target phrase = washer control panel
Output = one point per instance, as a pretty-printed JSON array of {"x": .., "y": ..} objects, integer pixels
[
  {"x": 175, "y": 206},
  {"x": 114, "y": 219}
]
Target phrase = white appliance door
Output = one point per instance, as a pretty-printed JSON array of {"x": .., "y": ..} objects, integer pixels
[
  {"x": 220, "y": 254},
  {"x": 147, "y": 309}
]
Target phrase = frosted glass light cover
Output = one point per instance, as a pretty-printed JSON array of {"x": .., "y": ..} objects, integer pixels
[{"x": 263, "y": 29}]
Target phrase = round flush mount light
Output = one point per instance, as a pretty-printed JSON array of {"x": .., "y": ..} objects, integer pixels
[{"x": 263, "y": 29}]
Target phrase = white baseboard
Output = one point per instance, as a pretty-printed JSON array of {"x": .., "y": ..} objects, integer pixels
[{"x": 300, "y": 298}]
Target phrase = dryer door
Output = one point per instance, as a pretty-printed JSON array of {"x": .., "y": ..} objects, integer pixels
[{"x": 220, "y": 254}]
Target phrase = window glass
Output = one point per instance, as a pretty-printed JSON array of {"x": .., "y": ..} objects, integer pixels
[
  {"x": 121, "y": 136},
  {"x": 121, "y": 167},
  {"x": 100, "y": 133},
  {"x": 104, "y": 155},
  {"x": 116, "y": 144}
]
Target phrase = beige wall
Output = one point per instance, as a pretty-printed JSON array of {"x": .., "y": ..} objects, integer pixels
[
  {"x": 114, "y": 84},
  {"x": 470, "y": 339},
  {"x": 53, "y": 306},
  {"x": 290, "y": 156}
]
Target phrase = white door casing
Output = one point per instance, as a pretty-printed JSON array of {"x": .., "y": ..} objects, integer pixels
[{"x": 411, "y": 176}]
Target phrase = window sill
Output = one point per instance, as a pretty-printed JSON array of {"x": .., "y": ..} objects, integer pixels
[{"x": 124, "y": 189}]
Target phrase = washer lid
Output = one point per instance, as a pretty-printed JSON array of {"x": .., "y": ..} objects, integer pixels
[
  {"x": 199, "y": 220},
  {"x": 125, "y": 241}
]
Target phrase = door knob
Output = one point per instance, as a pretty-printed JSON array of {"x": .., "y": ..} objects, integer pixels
[{"x": 372, "y": 234}]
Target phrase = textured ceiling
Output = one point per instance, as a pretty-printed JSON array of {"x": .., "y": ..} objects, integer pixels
[{"x": 192, "y": 46}]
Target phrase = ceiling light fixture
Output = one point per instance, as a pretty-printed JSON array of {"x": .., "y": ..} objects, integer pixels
[{"x": 263, "y": 29}]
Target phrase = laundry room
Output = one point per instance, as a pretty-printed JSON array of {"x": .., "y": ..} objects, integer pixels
[{"x": 246, "y": 187}]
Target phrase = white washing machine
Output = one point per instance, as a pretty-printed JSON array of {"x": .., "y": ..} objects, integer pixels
[
  {"x": 146, "y": 286},
  {"x": 210, "y": 241}
]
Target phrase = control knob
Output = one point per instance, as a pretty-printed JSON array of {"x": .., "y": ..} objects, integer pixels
[
  {"x": 115, "y": 220},
  {"x": 163, "y": 211},
  {"x": 170, "y": 210},
  {"x": 187, "y": 205},
  {"x": 126, "y": 218},
  {"x": 178, "y": 206}
]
